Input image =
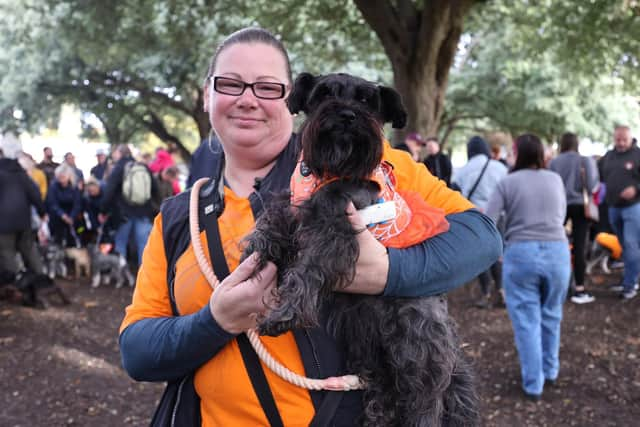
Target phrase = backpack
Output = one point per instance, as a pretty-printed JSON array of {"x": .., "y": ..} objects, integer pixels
[{"x": 136, "y": 183}]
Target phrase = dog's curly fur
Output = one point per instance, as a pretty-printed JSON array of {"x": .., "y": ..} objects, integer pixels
[{"x": 405, "y": 349}]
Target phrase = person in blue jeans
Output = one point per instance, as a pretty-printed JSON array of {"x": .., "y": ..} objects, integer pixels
[
  {"x": 132, "y": 220},
  {"x": 620, "y": 171},
  {"x": 537, "y": 262}
]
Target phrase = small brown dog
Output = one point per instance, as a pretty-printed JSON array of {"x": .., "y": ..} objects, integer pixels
[{"x": 81, "y": 261}]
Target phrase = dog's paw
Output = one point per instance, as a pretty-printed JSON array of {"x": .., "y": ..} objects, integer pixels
[{"x": 95, "y": 281}]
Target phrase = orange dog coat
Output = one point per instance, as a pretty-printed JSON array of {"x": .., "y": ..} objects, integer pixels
[{"x": 415, "y": 220}]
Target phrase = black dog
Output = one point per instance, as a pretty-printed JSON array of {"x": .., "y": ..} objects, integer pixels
[{"x": 404, "y": 349}]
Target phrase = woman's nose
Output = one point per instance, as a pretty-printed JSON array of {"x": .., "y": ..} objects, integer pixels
[{"x": 247, "y": 98}]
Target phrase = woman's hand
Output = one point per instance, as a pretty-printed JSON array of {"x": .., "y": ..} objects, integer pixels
[
  {"x": 240, "y": 297},
  {"x": 372, "y": 267},
  {"x": 66, "y": 218},
  {"x": 628, "y": 193}
]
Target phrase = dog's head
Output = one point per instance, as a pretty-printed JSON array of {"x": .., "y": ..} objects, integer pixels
[
  {"x": 383, "y": 102},
  {"x": 342, "y": 134}
]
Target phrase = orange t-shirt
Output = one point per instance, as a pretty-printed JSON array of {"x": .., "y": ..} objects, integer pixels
[{"x": 227, "y": 396}]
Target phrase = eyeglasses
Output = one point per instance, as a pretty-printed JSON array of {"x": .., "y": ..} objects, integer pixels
[{"x": 262, "y": 90}]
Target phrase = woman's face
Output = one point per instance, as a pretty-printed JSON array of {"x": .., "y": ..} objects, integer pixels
[
  {"x": 64, "y": 179},
  {"x": 248, "y": 126}
]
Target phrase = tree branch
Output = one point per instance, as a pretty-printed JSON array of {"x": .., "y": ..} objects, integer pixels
[{"x": 133, "y": 83}]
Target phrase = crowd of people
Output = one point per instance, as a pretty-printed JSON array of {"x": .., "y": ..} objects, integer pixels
[
  {"x": 178, "y": 330},
  {"x": 51, "y": 203},
  {"x": 540, "y": 205}
]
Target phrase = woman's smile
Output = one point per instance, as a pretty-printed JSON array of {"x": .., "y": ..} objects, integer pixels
[{"x": 246, "y": 121}]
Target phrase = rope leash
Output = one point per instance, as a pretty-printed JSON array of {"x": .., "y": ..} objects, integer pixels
[{"x": 342, "y": 383}]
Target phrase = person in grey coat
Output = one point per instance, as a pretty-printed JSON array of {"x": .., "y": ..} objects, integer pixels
[{"x": 477, "y": 180}]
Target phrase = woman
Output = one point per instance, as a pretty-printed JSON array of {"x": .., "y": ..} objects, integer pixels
[
  {"x": 254, "y": 154},
  {"x": 64, "y": 204},
  {"x": 536, "y": 262},
  {"x": 577, "y": 172}
]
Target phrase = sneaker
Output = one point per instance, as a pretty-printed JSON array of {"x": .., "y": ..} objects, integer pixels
[
  {"x": 617, "y": 264},
  {"x": 620, "y": 288},
  {"x": 629, "y": 294},
  {"x": 483, "y": 302},
  {"x": 532, "y": 397},
  {"x": 582, "y": 298}
]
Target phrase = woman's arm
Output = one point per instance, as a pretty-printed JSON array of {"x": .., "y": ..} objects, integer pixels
[
  {"x": 439, "y": 264},
  {"x": 167, "y": 348},
  {"x": 446, "y": 261},
  {"x": 155, "y": 345}
]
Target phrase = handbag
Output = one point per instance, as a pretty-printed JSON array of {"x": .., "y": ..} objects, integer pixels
[{"x": 591, "y": 211}]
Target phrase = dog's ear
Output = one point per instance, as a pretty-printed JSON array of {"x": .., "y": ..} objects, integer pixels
[
  {"x": 297, "y": 100},
  {"x": 391, "y": 107}
]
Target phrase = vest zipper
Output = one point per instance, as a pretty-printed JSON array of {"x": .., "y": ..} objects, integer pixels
[
  {"x": 172, "y": 297},
  {"x": 175, "y": 406},
  {"x": 314, "y": 352}
]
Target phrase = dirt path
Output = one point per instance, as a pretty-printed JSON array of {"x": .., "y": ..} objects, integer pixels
[{"x": 61, "y": 366}]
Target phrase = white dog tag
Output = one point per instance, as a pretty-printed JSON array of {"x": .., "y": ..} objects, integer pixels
[{"x": 380, "y": 212}]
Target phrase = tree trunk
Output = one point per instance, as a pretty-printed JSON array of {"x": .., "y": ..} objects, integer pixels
[{"x": 421, "y": 45}]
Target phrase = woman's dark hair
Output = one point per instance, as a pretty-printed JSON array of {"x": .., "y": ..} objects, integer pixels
[
  {"x": 568, "y": 142},
  {"x": 249, "y": 35},
  {"x": 530, "y": 153}
]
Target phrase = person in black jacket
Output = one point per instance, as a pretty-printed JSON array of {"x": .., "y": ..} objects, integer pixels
[
  {"x": 436, "y": 161},
  {"x": 129, "y": 218},
  {"x": 17, "y": 194},
  {"x": 620, "y": 171}
]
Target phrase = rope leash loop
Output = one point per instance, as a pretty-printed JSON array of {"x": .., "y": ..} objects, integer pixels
[{"x": 341, "y": 383}]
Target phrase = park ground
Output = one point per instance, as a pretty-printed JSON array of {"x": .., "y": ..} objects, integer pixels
[{"x": 61, "y": 366}]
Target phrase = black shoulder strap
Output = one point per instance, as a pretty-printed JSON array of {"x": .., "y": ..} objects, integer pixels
[
  {"x": 473, "y": 189},
  {"x": 327, "y": 410},
  {"x": 249, "y": 356},
  {"x": 259, "y": 381}
]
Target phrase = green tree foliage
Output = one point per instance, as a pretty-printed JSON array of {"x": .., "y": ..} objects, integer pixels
[
  {"x": 138, "y": 65},
  {"x": 508, "y": 78}
]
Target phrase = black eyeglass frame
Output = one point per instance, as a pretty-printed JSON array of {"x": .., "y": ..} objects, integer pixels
[{"x": 216, "y": 79}]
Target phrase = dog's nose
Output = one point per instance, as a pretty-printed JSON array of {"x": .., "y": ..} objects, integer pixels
[{"x": 347, "y": 115}]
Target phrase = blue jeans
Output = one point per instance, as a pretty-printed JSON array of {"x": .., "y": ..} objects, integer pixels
[
  {"x": 141, "y": 228},
  {"x": 626, "y": 224},
  {"x": 535, "y": 277}
]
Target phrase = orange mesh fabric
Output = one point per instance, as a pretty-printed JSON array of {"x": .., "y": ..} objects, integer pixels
[{"x": 415, "y": 220}]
